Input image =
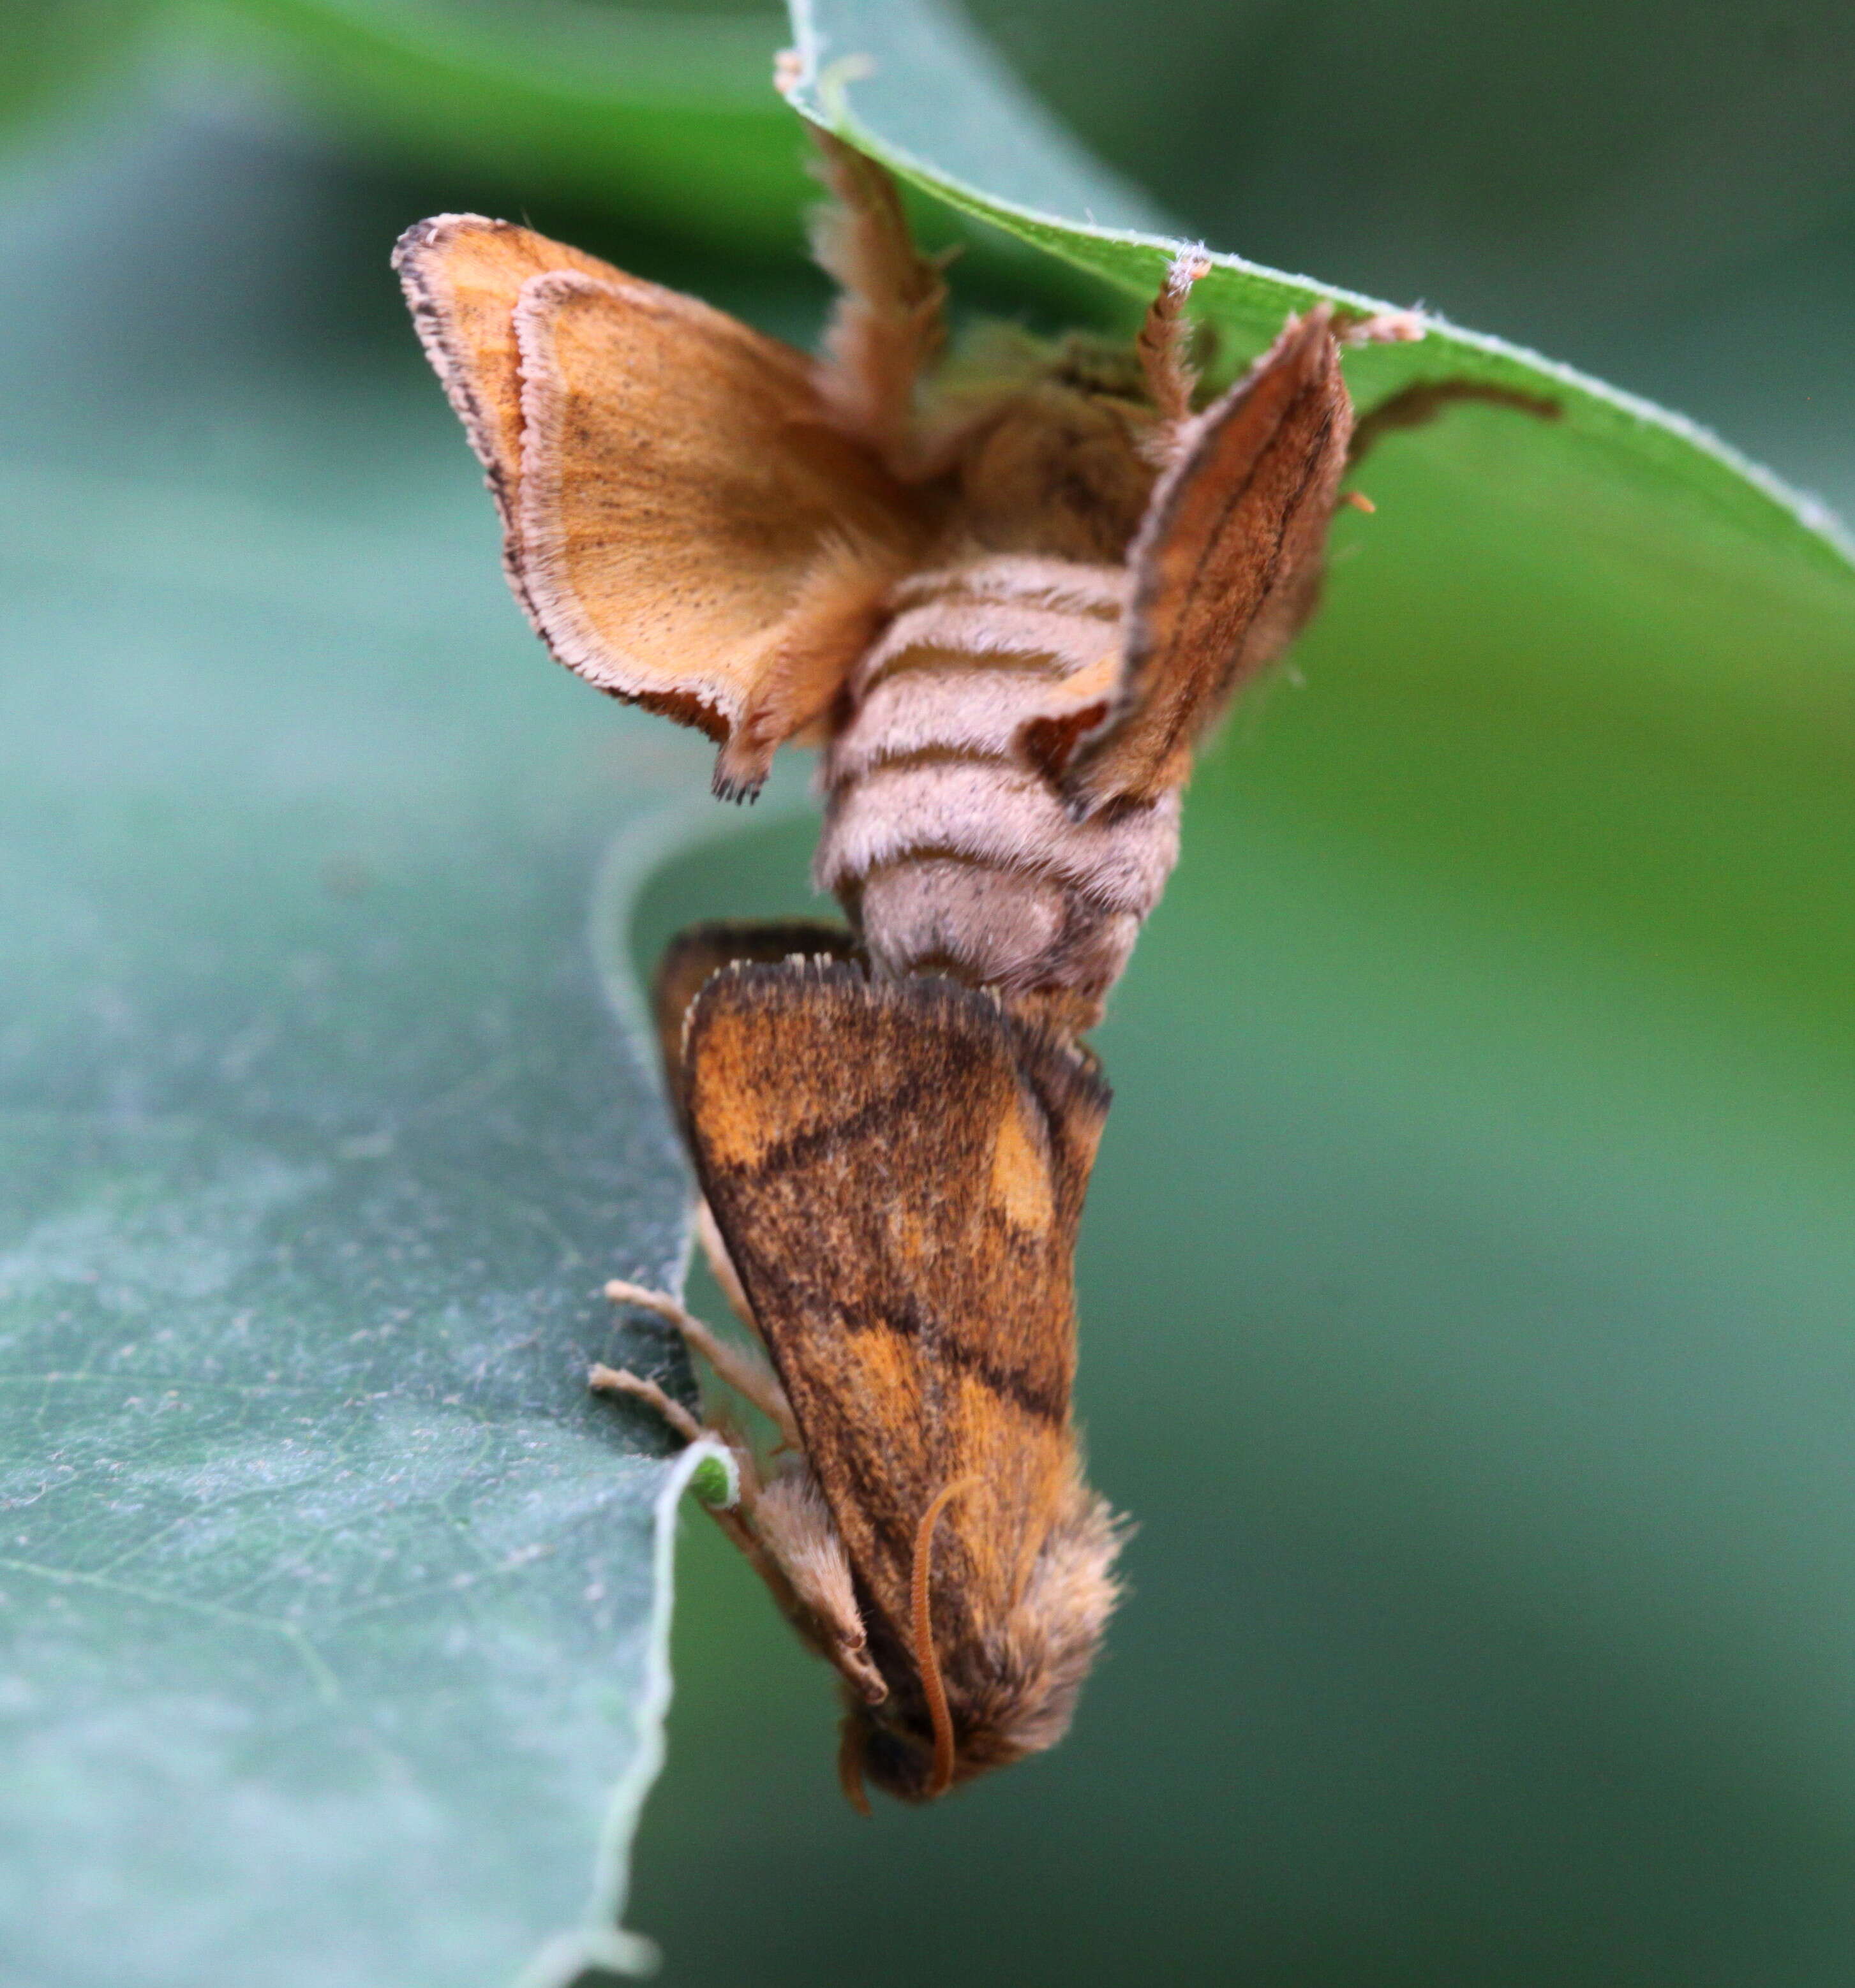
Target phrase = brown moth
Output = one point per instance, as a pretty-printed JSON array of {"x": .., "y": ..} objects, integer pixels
[
  {"x": 901, "y": 1236},
  {"x": 1006, "y": 612}
]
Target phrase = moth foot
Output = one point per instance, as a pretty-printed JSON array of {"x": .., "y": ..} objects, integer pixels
[
  {"x": 621, "y": 1292},
  {"x": 1400, "y": 327},
  {"x": 853, "y": 1660}
]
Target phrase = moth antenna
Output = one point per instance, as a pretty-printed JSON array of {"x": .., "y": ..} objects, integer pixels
[
  {"x": 1162, "y": 345},
  {"x": 850, "y": 1764},
  {"x": 926, "y": 1661}
]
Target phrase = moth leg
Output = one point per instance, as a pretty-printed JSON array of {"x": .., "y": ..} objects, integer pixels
[
  {"x": 737, "y": 1522},
  {"x": 890, "y": 320},
  {"x": 751, "y": 1378},
  {"x": 721, "y": 1265},
  {"x": 606, "y": 1380},
  {"x": 1416, "y": 405},
  {"x": 1392, "y": 327},
  {"x": 1164, "y": 347},
  {"x": 795, "y": 1527},
  {"x": 784, "y": 1528}
]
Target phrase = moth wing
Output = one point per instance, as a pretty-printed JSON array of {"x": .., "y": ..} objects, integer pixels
[
  {"x": 684, "y": 526},
  {"x": 463, "y": 275},
  {"x": 1226, "y": 566},
  {"x": 695, "y": 956},
  {"x": 898, "y": 1168}
]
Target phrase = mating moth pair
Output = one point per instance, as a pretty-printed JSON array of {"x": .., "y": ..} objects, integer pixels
[{"x": 1005, "y": 613}]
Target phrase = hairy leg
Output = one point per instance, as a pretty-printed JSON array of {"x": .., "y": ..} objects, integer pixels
[
  {"x": 1415, "y": 406},
  {"x": 605, "y": 1380},
  {"x": 890, "y": 320},
  {"x": 749, "y": 1376},
  {"x": 1164, "y": 346}
]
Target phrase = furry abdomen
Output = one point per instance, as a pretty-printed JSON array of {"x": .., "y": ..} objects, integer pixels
[{"x": 944, "y": 841}]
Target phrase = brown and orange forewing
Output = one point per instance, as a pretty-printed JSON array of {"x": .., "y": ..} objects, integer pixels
[
  {"x": 698, "y": 953},
  {"x": 898, "y": 1168}
]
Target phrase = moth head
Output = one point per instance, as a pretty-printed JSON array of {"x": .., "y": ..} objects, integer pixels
[
  {"x": 899, "y": 1758},
  {"x": 1006, "y": 1691}
]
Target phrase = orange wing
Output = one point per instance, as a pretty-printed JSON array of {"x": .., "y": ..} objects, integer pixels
[
  {"x": 1226, "y": 566},
  {"x": 694, "y": 956},
  {"x": 898, "y": 1168},
  {"x": 684, "y": 525}
]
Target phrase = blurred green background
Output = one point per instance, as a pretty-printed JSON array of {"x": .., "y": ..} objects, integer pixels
[{"x": 1466, "y": 1285}]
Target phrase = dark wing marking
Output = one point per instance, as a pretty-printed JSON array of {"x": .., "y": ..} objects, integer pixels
[
  {"x": 899, "y": 1169},
  {"x": 1226, "y": 566}
]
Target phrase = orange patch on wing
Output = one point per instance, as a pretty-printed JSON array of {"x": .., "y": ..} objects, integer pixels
[
  {"x": 1020, "y": 1177},
  {"x": 1025, "y": 1467},
  {"x": 891, "y": 1371},
  {"x": 741, "y": 1118}
]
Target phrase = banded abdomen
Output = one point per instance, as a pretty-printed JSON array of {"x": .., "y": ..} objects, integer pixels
[{"x": 945, "y": 842}]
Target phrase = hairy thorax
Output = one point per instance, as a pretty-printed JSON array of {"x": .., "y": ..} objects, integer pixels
[{"x": 944, "y": 841}]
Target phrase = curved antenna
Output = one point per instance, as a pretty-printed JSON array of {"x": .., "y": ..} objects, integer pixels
[{"x": 941, "y": 1778}]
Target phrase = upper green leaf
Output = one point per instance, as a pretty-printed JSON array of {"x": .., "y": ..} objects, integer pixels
[
  {"x": 907, "y": 82},
  {"x": 663, "y": 111}
]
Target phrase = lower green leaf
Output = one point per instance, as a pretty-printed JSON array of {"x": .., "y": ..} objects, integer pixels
[{"x": 335, "y": 1603}]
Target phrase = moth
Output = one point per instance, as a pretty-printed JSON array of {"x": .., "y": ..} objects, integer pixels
[
  {"x": 893, "y": 1169},
  {"x": 1005, "y": 606}
]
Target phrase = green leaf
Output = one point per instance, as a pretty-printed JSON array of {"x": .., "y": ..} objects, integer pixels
[
  {"x": 909, "y": 83},
  {"x": 667, "y": 112},
  {"x": 1465, "y": 1284},
  {"x": 335, "y": 1603},
  {"x": 51, "y": 49}
]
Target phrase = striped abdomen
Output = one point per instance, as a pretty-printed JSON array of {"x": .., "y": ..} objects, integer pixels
[{"x": 943, "y": 840}]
